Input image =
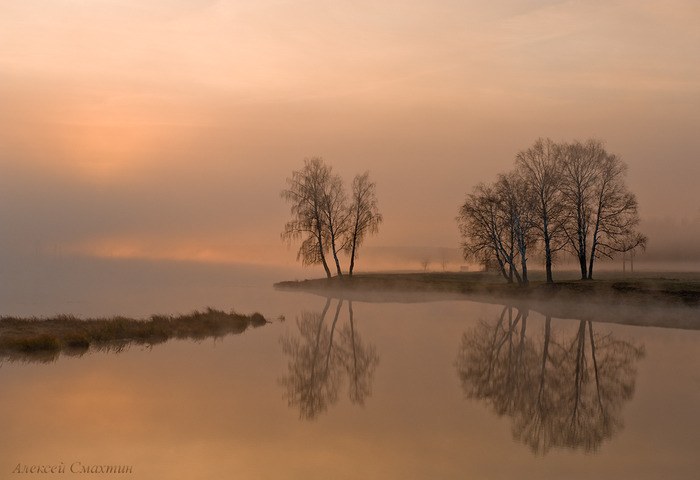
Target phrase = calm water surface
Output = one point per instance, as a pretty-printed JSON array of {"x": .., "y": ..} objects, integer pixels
[{"x": 442, "y": 389}]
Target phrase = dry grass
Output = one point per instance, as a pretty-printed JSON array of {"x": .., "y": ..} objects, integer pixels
[{"x": 44, "y": 339}]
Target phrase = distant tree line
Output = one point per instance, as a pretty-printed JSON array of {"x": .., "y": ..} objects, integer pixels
[
  {"x": 325, "y": 219},
  {"x": 559, "y": 197}
]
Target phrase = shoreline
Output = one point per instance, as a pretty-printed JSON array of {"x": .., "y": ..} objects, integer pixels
[
  {"x": 642, "y": 301},
  {"x": 651, "y": 289}
]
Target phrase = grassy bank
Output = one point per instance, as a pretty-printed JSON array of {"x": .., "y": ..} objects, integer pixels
[
  {"x": 656, "y": 300},
  {"x": 44, "y": 339},
  {"x": 651, "y": 290}
]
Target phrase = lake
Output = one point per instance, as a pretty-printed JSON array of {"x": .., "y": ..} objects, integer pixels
[{"x": 337, "y": 389}]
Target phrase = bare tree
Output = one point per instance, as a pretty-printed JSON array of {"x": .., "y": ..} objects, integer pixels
[
  {"x": 365, "y": 216},
  {"x": 306, "y": 192},
  {"x": 480, "y": 227},
  {"x": 517, "y": 202},
  {"x": 580, "y": 175},
  {"x": 335, "y": 216},
  {"x": 615, "y": 213},
  {"x": 630, "y": 244},
  {"x": 540, "y": 166},
  {"x": 495, "y": 223},
  {"x": 322, "y": 217},
  {"x": 562, "y": 194},
  {"x": 424, "y": 263},
  {"x": 602, "y": 213},
  {"x": 320, "y": 214}
]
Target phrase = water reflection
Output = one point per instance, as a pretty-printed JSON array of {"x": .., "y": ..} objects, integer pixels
[
  {"x": 560, "y": 390},
  {"x": 321, "y": 359}
]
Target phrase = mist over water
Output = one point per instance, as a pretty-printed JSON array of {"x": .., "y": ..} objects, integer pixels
[
  {"x": 439, "y": 387},
  {"x": 86, "y": 286}
]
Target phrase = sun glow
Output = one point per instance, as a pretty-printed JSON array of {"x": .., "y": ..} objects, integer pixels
[
  {"x": 101, "y": 152},
  {"x": 117, "y": 139},
  {"x": 191, "y": 250}
]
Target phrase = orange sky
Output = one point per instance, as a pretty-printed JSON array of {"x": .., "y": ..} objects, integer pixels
[{"x": 167, "y": 128}]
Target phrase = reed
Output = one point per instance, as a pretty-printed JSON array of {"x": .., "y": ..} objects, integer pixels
[{"x": 44, "y": 339}]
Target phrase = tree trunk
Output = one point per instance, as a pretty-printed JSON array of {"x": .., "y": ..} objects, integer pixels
[
  {"x": 582, "y": 230},
  {"x": 523, "y": 260},
  {"x": 582, "y": 263},
  {"x": 547, "y": 256},
  {"x": 337, "y": 264},
  {"x": 547, "y": 242},
  {"x": 352, "y": 260},
  {"x": 323, "y": 259},
  {"x": 590, "y": 265},
  {"x": 352, "y": 253},
  {"x": 335, "y": 254}
]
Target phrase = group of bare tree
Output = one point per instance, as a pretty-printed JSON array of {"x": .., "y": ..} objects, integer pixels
[
  {"x": 560, "y": 390},
  {"x": 559, "y": 196},
  {"x": 327, "y": 221},
  {"x": 321, "y": 359}
]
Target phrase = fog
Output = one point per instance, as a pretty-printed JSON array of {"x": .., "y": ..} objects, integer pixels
[{"x": 167, "y": 130}]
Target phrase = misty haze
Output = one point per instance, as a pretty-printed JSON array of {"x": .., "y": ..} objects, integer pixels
[{"x": 315, "y": 240}]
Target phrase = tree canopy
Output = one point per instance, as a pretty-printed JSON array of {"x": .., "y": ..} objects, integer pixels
[
  {"x": 324, "y": 219},
  {"x": 559, "y": 196}
]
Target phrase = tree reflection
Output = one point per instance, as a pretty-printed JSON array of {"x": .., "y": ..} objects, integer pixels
[
  {"x": 558, "y": 391},
  {"x": 322, "y": 357}
]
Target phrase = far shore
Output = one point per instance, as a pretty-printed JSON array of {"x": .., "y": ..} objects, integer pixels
[{"x": 663, "y": 299}]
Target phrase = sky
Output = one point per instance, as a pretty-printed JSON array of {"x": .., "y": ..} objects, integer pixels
[{"x": 167, "y": 128}]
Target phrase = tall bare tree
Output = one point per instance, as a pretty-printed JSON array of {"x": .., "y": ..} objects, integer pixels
[
  {"x": 322, "y": 218},
  {"x": 562, "y": 194},
  {"x": 540, "y": 166},
  {"x": 306, "y": 192},
  {"x": 336, "y": 217},
  {"x": 365, "y": 216},
  {"x": 320, "y": 213},
  {"x": 602, "y": 213},
  {"x": 580, "y": 174},
  {"x": 615, "y": 213}
]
